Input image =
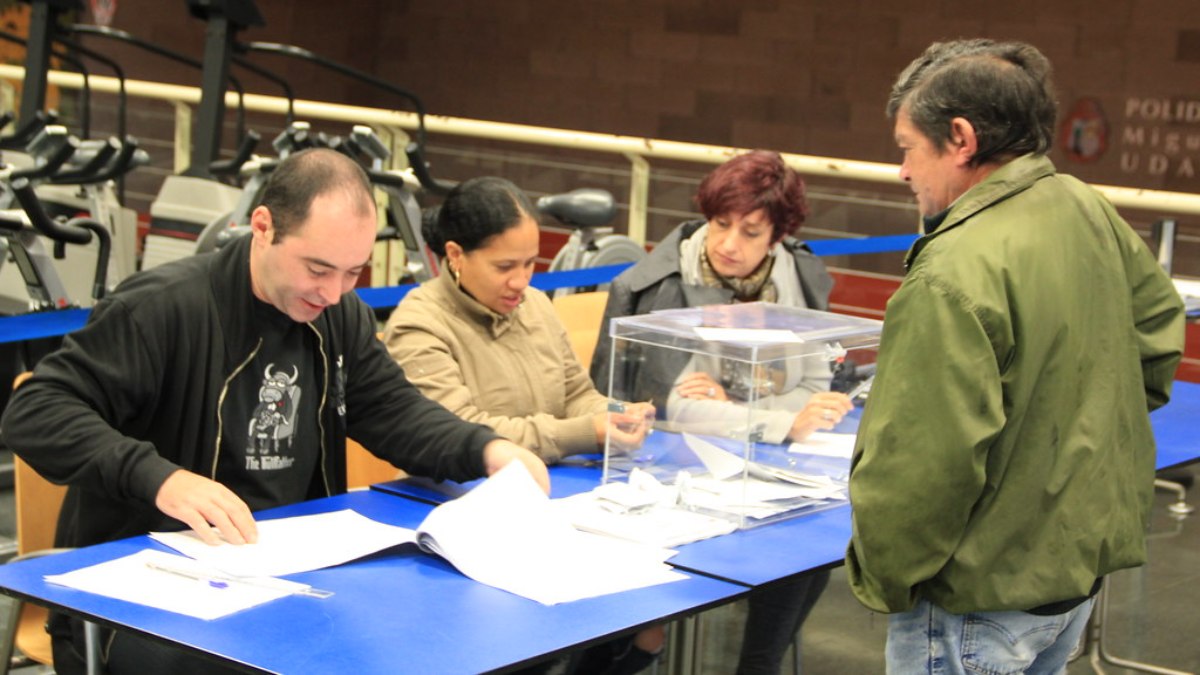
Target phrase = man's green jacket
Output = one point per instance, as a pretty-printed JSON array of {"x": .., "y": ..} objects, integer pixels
[{"x": 1005, "y": 458}]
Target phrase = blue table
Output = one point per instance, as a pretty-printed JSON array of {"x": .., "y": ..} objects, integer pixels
[
  {"x": 746, "y": 557},
  {"x": 405, "y": 609},
  {"x": 1177, "y": 427},
  {"x": 820, "y": 539},
  {"x": 399, "y": 610},
  {"x": 814, "y": 541}
]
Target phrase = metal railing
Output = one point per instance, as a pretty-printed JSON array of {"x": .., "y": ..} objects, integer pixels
[{"x": 638, "y": 152}]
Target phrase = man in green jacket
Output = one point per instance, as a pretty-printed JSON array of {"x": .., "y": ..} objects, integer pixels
[{"x": 1005, "y": 461}]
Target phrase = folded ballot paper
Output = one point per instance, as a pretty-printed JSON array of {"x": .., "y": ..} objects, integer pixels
[
  {"x": 504, "y": 533},
  {"x": 642, "y": 510},
  {"x": 706, "y": 504},
  {"x": 765, "y": 492}
]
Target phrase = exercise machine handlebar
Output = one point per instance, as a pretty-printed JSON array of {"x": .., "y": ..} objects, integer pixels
[{"x": 75, "y": 231}]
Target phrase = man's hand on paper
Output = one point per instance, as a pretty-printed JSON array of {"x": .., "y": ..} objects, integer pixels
[
  {"x": 822, "y": 412},
  {"x": 701, "y": 386},
  {"x": 203, "y": 504},
  {"x": 498, "y": 453}
]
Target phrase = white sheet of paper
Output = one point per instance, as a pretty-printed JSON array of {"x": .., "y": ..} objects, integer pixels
[
  {"x": 755, "y": 498},
  {"x": 292, "y": 545},
  {"x": 825, "y": 444},
  {"x": 1187, "y": 287},
  {"x": 504, "y": 533},
  {"x": 132, "y": 579},
  {"x": 755, "y": 491},
  {"x": 722, "y": 465},
  {"x": 767, "y": 490},
  {"x": 664, "y": 526},
  {"x": 752, "y": 335}
]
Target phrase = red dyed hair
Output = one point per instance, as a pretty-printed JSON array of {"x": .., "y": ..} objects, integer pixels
[{"x": 756, "y": 180}]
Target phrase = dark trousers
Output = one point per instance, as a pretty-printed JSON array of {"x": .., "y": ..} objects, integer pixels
[
  {"x": 125, "y": 653},
  {"x": 775, "y": 615}
]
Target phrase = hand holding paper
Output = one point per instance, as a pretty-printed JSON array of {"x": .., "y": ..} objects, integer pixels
[{"x": 499, "y": 453}]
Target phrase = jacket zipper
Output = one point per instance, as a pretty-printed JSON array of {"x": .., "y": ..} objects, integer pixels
[
  {"x": 221, "y": 405},
  {"x": 321, "y": 408}
]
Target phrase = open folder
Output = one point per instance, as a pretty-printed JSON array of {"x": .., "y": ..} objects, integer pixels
[{"x": 505, "y": 533}]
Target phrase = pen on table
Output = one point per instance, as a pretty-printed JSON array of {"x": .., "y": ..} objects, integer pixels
[{"x": 217, "y": 581}]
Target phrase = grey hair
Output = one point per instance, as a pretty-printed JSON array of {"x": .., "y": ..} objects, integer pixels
[{"x": 1004, "y": 89}]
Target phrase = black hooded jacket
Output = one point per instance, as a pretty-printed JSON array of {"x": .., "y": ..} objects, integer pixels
[{"x": 137, "y": 393}]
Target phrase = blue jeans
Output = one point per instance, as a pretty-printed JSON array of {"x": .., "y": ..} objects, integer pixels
[{"x": 929, "y": 640}]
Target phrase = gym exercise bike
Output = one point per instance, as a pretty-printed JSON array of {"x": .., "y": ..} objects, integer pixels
[{"x": 592, "y": 243}]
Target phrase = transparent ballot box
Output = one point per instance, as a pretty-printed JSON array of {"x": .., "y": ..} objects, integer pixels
[{"x": 733, "y": 435}]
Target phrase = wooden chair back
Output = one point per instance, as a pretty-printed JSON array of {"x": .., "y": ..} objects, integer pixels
[
  {"x": 38, "y": 503},
  {"x": 581, "y": 314}
]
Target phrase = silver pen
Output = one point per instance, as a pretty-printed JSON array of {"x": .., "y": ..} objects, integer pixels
[{"x": 223, "y": 581}]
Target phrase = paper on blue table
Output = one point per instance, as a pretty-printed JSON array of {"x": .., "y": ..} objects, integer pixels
[
  {"x": 642, "y": 510},
  {"x": 1189, "y": 290},
  {"x": 764, "y": 492},
  {"x": 825, "y": 444},
  {"x": 143, "y": 578},
  {"x": 722, "y": 465},
  {"x": 503, "y": 533},
  {"x": 293, "y": 545}
]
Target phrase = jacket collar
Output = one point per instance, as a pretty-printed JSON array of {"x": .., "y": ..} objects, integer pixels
[
  {"x": 465, "y": 306},
  {"x": 232, "y": 293},
  {"x": 663, "y": 260},
  {"x": 1006, "y": 181}
]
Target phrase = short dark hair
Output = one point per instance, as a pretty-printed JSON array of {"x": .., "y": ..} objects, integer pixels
[
  {"x": 475, "y": 211},
  {"x": 753, "y": 181},
  {"x": 1004, "y": 89},
  {"x": 302, "y": 177}
]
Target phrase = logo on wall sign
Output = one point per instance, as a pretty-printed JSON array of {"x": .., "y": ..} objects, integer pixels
[
  {"x": 103, "y": 11},
  {"x": 1084, "y": 132}
]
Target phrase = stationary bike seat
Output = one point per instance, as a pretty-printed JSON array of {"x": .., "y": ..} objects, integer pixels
[{"x": 585, "y": 207}]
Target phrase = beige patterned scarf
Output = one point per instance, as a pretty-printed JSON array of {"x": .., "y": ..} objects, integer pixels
[{"x": 757, "y": 286}]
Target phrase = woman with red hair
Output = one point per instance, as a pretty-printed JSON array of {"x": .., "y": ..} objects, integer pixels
[{"x": 743, "y": 250}]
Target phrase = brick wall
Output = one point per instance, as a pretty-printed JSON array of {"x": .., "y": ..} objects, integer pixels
[
  {"x": 798, "y": 76},
  {"x": 804, "y": 76}
]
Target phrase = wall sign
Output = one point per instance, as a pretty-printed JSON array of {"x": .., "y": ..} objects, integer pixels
[
  {"x": 1161, "y": 137},
  {"x": 1084, "y": 133}
]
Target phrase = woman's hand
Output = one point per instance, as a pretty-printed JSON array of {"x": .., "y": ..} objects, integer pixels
[
  {"x": 700, "y": 386},
  {"x": 626, "y": 429},
  {"x": 823, "y": 411}
]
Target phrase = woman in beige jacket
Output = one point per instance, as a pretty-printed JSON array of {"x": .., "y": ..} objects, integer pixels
[{"x": 481, "y": 342}]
